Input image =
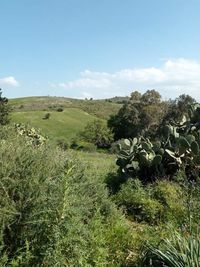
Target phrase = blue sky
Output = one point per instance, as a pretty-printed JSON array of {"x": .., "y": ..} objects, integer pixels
[{"x": 99, "y": 48}]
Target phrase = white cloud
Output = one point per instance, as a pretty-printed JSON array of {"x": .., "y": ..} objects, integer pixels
[
  {"x": 9, "y": 81},
  {"x": 174, "y": 77}
]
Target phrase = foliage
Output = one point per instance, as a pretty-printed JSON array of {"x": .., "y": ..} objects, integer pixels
[
  {"x": 154, "y": 204},
  {"x": 60, "y": 109},
  {"x": 46, "y": 116},
  {"x": 181, "y": 251},
  {"x": 178, "y": 149},
  {"x": 138, "y": 115},
  {"x": 145, "y": 114},
  {"x": 63, "y": 144},
  {"x": 51, "y": 213},
  {"x": 4, "y": 110},
  {"x": 137, "y": 202},
  {"x": 31, "y": 135},
  {"x": 87, "y": 146},
  {"x": 97, "y": 133},
  {"x": 177, "y": 109}
]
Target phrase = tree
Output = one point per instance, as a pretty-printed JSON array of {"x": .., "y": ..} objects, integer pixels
[
  {"x": 97, "y": 132},
  {"x": 4, "y": 110},
  {"x": 177, "y": 108},
  {"x": 151, "y": 97},
  {"x": 140, "y": 115}
]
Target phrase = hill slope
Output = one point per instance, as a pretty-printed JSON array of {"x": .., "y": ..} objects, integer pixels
[
  {"x": 60, "y": 125},
  {"x": 100, "y": 108}
]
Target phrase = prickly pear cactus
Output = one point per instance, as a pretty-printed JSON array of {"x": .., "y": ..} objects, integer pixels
[
  {"x": 32, "y": 136},
  {"x": 180, "y": 149}
]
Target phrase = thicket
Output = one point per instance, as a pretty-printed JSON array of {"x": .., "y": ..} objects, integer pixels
[
  {"x": 145, "y": 114},
  {"x": 158, "y": 176},
  {"x": 52, "y": 214},
  {"x": 176, "y": 150},
  {"x": 97, "y": 133}
]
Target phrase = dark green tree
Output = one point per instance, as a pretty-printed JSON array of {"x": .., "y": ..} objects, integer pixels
[
  {"x": 98, "y": 133},
  {"x": 4, "y": 110},
  {"x": 177, "y": 108},
  {"x": 141, "y": 115}
]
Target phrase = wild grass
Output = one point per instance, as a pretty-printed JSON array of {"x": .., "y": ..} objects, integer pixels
[
  {"x": 179, "y": 251},
  {"x": 60, "y": 125},
  {"x": 53, "y": 213}
]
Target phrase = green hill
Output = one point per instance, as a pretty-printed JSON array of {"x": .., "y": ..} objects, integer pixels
[
  {"x": 100, "y": 108},
  {"x": 61, "y": 125}
]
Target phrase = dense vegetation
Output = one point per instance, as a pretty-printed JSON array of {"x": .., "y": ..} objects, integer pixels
[
  {"x": 145, "y": 114},
  {"x": 76, "y": 207},
  {"x": 52, "y": 214},
  {"x": 4, "y": 109}
]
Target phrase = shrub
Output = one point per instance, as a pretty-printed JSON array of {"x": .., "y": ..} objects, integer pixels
[
  {"x": 63, "y": 144},
  {"x": 172, "y": 198},
  {"x": 138, "y": 203},
  {"x": 161, "y": 202},
  {"x": 86, "y": 146},
  {"x": 4, "y": 110},
  {"x": 46, "y": 116},
  {"x": 60, "y": 109},
  {"x": 181, "y": 251},
  {"x": 30, "y": 134},
  {"x": 96, "y": 132},
  {"x": 51, "y": 213},
  {"x": 177, "y": 150}
]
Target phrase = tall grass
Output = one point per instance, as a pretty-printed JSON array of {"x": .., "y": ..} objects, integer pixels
[
  {"x": 51, "y": 213},
  {"x": 181, "y": 251}
]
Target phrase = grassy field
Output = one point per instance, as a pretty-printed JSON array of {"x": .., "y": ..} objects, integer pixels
[
  {"x": 100, "y": 108},
  {"x": 60, "y": 125},
  {"x": 97, "y": 165}
]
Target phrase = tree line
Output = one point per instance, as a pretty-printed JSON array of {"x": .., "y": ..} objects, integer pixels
[{"x": 145, "y": 114}]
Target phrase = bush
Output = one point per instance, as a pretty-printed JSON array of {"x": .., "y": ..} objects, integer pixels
[
  {"x": 160, "y": 202},
  {"x": 86, "y": 146},
  {"x": 63, "y": 144},
  {"x": 4, "y": 110},
  {"x": 97, "y": 133},
  {"x": 46, "y": 116},
  {"x": 51, "y": 213},
  {"x": 59, "y": 109},
  {"x": 172, "y": 197},
  {"x": 137, "y": 202}
]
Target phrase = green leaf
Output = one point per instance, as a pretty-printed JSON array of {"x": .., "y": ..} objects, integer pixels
[
  {"x": 157, "y": 160},
  {"x": 127, "y": 142},
  {"x": 146, "y": 146},
  {"x": 190, "y": 138},
  {"x": 195, "y": 147},
  {"x": 134, "y": 141},
  {"x": 183, "y": 143}
]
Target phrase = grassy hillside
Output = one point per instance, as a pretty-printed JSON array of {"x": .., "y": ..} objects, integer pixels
[
  {"x": 60, "y": 125},
  {"x": 100, "y": 108}
]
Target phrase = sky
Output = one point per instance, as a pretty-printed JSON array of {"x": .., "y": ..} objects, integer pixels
[{"x": 99, "y": 48}]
